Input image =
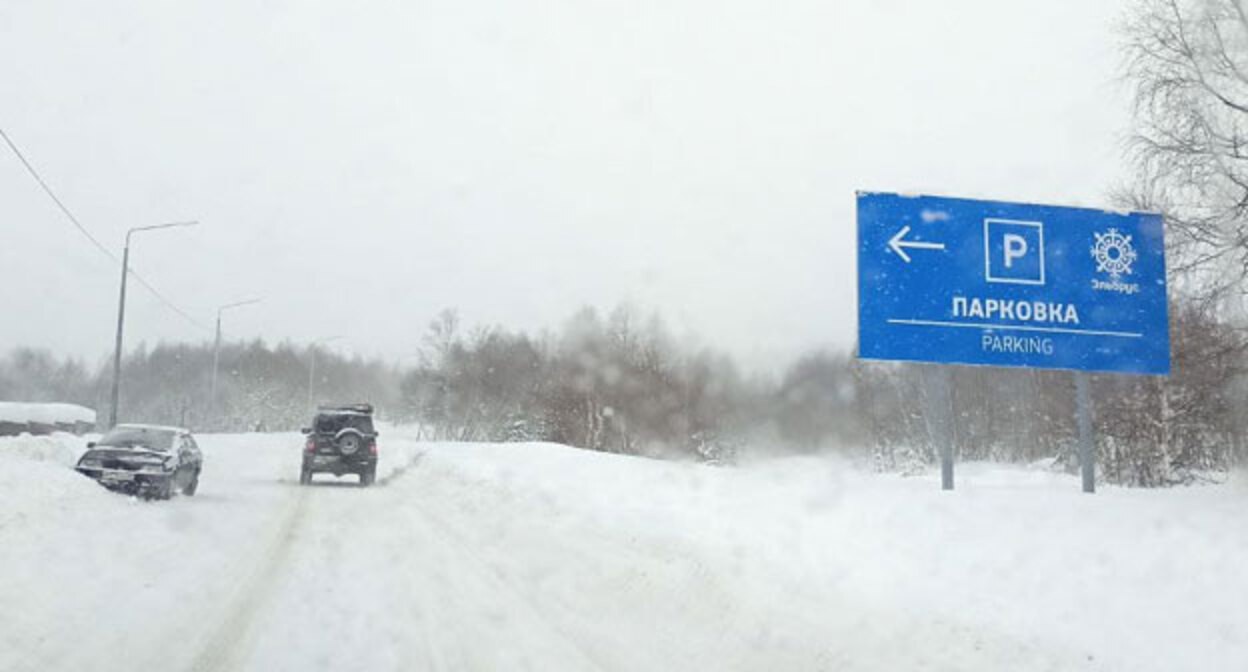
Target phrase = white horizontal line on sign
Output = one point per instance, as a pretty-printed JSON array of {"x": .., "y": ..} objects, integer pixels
[{"x": 1013, "y": 327}]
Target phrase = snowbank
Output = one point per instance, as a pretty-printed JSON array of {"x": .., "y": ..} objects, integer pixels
[
  {"x": 1016, "y": 569},
  {"x": 37, "y": 479},
  {"x": 20, "y": 418},
  {"x": 45, "y": 414},
  {"x": 60, "y": 448}
]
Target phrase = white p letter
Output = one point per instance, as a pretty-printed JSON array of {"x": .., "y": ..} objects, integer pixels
[{"x": 1015, "y": 247}]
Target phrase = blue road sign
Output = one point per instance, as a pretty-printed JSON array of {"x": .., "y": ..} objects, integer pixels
[{"x": 961, "y": 281}]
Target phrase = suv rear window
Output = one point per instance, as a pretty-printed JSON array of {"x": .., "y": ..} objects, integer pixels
[{"x": 332, "y": 424}]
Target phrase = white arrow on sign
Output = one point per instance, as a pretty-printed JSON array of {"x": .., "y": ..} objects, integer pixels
[{"x": 899, "y": 245}]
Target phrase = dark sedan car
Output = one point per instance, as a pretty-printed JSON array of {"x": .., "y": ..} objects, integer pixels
[{"x": 145, "y": 460}]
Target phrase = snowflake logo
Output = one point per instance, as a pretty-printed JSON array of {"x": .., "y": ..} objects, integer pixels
[{"x": 1113, "y": 253}]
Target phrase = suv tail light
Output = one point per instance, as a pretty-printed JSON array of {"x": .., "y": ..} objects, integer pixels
[
  {"x": 372, "y": 447},
  {"x": 310, "y": 446}
]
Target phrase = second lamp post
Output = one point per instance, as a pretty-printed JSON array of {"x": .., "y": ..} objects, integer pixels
[{"x": 216, "y": 351}]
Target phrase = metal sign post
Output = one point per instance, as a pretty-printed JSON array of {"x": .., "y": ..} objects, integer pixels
[
  {"x": 1087, "y": 442},
  {"x": 938, "y": 410},
  {"x": 992, "y": 283},
  {"x": 944, "y": 419}
]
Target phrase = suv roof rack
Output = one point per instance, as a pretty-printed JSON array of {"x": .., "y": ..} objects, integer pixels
[{"x": 346, "y": 408}]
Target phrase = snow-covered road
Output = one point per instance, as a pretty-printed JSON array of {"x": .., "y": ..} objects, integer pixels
[{"x": 541, "y": 557}]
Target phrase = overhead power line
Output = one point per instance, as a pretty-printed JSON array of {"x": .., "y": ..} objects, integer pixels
[
  {"x": 94, "y": 241},
  {"x": 169, "y": 304},
  {"x": 52, "y": 195}
]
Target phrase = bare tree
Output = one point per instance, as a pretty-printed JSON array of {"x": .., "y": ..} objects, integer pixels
[
  {"x": 442, "y": 336},
  {"x": 1187, "y": 61}
]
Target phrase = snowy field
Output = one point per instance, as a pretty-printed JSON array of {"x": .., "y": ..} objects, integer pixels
[{"x": 540, "y": 557}]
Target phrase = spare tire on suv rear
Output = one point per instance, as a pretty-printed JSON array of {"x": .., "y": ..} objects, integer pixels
[{"x": 349, "y": 443}]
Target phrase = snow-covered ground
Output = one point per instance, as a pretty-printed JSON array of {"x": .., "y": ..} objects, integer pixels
[{"x": 528, "y": 556}]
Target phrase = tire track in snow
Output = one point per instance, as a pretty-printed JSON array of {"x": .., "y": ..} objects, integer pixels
[
  {"x": 487, "y": 575},
  {"x": 223, "y": 648},
  {"x": 402, "y": 469}
]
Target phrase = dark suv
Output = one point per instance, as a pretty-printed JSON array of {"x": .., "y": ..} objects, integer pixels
[{"x": 341, "y": 440}]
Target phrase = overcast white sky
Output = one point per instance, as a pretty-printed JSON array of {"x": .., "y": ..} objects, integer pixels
[{"x": 363, "y": 165}]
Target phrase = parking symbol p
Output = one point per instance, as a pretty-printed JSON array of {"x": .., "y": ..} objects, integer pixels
[{"x": 1014, "y": 251}]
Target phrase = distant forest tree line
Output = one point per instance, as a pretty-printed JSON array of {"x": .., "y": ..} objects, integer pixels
[
  {"x": 259, "y": 387},
  {"x": 621, "y": 383}
]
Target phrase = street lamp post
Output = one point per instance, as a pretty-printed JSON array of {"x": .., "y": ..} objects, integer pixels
[
  {"x": 312, "y": 365},
  {"x": 216, "y": 350},
  {"x": 121, "y": 313}
]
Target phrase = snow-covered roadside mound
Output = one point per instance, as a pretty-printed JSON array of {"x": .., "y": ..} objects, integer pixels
[
  {"x": 62, "y": 449},
  {"x": 36, "y": 474},
  {"x": 45, "y": 413},
  {"x": 818, "y": 563}
]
